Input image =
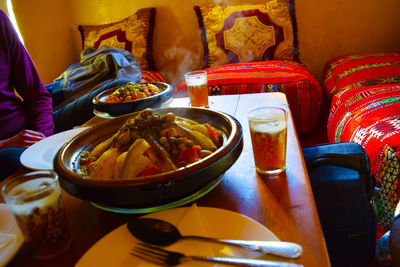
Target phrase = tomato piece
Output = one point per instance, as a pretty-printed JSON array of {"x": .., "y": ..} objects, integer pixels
[
  {"x": 150, "y": 170},
  {"x": 189, "y": 154},
  {"x": 214, "y": 134},
  {"x": 111, "y": 99}
]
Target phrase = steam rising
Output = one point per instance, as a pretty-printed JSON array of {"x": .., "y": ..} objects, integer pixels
[{"x": 186, "y": 61}]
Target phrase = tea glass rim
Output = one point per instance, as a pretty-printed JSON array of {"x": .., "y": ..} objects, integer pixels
[
  {"x": 28, "y": 176},
  {"x": 251, "y": 116},
  {"x": 195, "y": 73}
]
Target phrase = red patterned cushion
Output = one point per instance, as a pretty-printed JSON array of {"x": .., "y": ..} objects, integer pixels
[
  {"x": 248, "y": 33},
  {"x": 134, "y": 33},
  {"x": 355, "y": 70},
  {"x": 370, "y": 117},
  {"x": 153, "y": 76},
  {"x": 290, "y": 77}
]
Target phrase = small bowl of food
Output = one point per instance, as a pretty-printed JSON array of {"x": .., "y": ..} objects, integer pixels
[
  {"x": 150, "y": 160},
  {"x": 131, "y": 97}
]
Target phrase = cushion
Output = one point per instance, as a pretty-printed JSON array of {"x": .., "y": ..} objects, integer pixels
[
  {"x": 302, "y": 90},
  {"x": 153, "y": 76},
  {"x": 370, "y": 117},
  {"x": 134, "y": 33},
  {"x": 362, "y": 69},
  {"x": 248, "y": 33}
]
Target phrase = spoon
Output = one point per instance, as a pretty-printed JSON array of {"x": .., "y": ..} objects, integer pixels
[{"x": 162, "y": 233}]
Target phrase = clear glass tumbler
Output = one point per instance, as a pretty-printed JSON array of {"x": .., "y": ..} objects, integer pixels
[
  {"x": 196, "y": 83},
  {"x": 35, "y": 200},
  {"x": 268, "y": 130}
]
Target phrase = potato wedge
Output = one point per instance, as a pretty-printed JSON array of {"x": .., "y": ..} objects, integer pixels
[
  {"x": 119, "y": 164},
  {"x": 105, "y": 165},
  {"x": 135, "y": 161}
]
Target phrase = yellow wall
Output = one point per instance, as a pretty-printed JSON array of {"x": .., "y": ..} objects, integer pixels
[
  {"x": 325, "y": 29},
  {"x": 3, "y": 6}
]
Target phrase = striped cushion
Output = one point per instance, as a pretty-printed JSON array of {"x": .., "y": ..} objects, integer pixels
[
  {"x": 370, "y": 116},
  {"x": 354, "y": 70},
  {"x": 365, "y": 102},
  {"x": 290, "y": 77},
  {"x": 153, "y": 76}
]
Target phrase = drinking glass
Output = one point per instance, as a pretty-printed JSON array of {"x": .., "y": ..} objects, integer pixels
[
  {"x": 268, "y": 130},
  {"x": 196, "y": 83},
  {"x": 35, "y": 201}
]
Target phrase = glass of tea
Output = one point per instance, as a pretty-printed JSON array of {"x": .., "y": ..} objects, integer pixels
[
  {"x": 268, "y": 130},
  {"x": 196, "y": 83},
  {"x": 35, "y": 200}
]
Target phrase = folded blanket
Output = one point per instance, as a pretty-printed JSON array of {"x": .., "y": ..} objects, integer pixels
[{"x": 95, "y": 69}]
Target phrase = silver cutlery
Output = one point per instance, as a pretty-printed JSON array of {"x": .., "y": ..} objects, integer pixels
[
  {"x": 164, "y": 257},
  {"x": 162, "y": 233}
]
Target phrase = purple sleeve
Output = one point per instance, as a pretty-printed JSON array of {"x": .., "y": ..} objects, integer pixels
[{"x": 37, "y": 100}]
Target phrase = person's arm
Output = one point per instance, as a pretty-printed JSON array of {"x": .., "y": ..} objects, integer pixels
[
  {"x": 26, "y": 81},
  {"x": 24, "y": 139}
]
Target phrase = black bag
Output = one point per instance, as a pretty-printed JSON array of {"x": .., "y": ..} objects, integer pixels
[{"x": 343, "y": 189}]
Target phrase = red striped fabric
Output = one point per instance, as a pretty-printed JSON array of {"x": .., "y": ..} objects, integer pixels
[
  {"x": 355, "y": 70},
  {"x": 370, "y": 116},
  {"x": 153, "y": 76},
  {"x": 365, "y": 108},
  {"x": 302, "y": 90}
]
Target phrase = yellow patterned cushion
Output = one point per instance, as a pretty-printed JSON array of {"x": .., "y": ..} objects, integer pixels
[
  {"x": 248, "y": 33},
  {"x": 134, "y": 33}
]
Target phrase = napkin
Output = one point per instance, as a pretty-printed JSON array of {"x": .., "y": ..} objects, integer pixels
[
  {"x": 192, "y": 224},
  {"x": 5, "y": 240}
]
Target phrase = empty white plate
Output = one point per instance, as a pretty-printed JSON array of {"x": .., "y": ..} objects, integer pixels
[{"x": 40, "y": 156}]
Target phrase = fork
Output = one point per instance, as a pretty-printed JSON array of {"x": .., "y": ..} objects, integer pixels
[{"x": 164, "y": 257}]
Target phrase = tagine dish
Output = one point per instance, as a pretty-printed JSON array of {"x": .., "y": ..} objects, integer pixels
[
  {"x": 131, "y": 97},
  {"x": 151, "y": 159},
  {"x": 150, "y": 143}
]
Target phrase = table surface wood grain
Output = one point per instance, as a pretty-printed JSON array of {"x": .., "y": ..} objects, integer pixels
[{"x": 284, "y": 204}]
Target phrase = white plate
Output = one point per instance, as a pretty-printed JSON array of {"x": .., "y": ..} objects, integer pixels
[
  {"x": 113, "y": 249},
  {"x": 40, "y": 155},
  {"x": 8, "y": 225}
]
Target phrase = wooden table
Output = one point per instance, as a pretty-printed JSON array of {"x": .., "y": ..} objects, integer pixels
[{"x": 283, "y": 204}]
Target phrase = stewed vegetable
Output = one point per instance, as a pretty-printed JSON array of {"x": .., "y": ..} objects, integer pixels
[
  {"x": 148, "y": 144},
  {"x": 132, "y": 91}
]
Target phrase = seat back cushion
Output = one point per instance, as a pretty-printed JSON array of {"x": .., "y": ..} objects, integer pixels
[
  {"x": 370, "y": 116},
  {"x": 153, "y": 76},
  {"x": 245, "y": 33},
  {"x": 364, "y": 89},
  {"x": 363, "y": 69},
  {"x": 134, "y": 34},
  {"x": 290, "y": 77}
]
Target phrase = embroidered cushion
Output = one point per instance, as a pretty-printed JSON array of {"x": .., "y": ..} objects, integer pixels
[
  {"x": 134, "y": 33},
  {"x": 370, "y": 117},
  {"x": 248, "y": 32},
  {"x": 302, "y": 90},
  {"x": 153, "y": 76},
  {"x": 355, "y": 70}
]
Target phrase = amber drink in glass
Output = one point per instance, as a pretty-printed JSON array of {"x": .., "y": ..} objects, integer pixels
[
  {"x": 35, "y": 200},
  {"x": 196, "y": 83},
  {"x": 268, "y": 130}
]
